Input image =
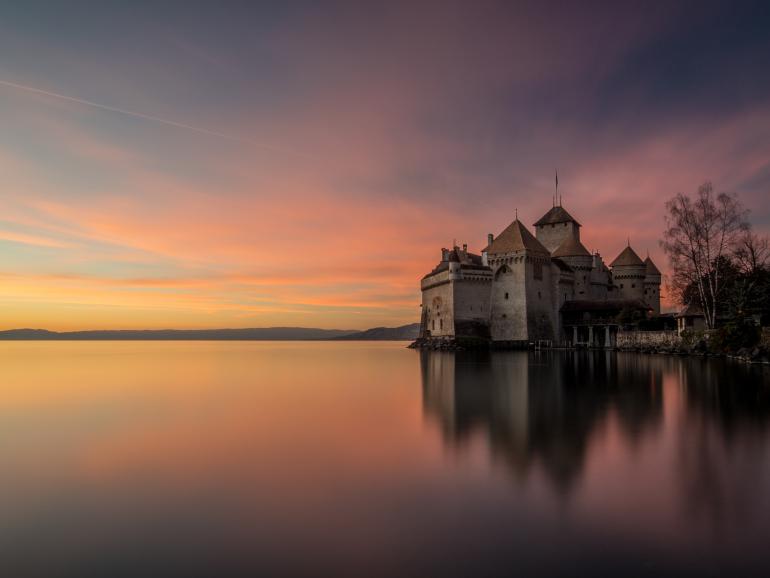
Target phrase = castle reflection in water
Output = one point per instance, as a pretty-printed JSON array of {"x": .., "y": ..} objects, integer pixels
[{"x": 543, "y": 409}]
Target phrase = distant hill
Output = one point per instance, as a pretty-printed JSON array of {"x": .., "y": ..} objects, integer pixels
[
  {"x": 251, "y": 334},
  {"x": 255, "y": 334},
  {"x": 405, "y": 332}
]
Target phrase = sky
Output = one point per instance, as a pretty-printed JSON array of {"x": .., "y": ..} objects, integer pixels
[{"x": 248, "y": 164}]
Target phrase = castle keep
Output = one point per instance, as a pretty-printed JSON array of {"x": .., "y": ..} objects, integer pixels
[{"x": 545, "y": 287}]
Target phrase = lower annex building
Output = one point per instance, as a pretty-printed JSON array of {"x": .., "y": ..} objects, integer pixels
[{"x": 527, "y": 288}]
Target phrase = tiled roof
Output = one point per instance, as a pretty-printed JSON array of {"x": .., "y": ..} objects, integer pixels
[
  {"x": 627, "y": 258},
  {"x": 571, "y": 247},
  {"x": 516, "y": 237},
  {"x": 651, "y": 268},
  {"x": 556, "y": 215},
  {"x": 692, "y": 309}
]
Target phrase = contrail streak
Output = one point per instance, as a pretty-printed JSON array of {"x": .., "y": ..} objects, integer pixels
[{"x": 140, "y": 115}]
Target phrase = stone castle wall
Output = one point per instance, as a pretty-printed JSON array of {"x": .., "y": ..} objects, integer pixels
[
  {"x": 632, "y": 339},
  {"x": 508, "y": 319},
  {"x": 471, "y": 307},
  {"x": 552, "y": 235},
  {"x": 541, "y": 313},
  {"x": 438, "y": 306}
]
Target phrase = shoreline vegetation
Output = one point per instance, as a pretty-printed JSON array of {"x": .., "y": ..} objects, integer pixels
[{"x": 402, "y": 333}]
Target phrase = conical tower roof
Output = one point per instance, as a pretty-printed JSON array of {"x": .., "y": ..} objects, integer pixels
[
  {"x": 516, "y": 237},
  {"x": 555, "y": 215},
  {"x": 571, "y": 247},
  {"x": 627, "y": 258},
  {"x": 651, "y": 268}
]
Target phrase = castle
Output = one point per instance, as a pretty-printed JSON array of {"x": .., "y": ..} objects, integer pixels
[{"x": 546, "y": 287}]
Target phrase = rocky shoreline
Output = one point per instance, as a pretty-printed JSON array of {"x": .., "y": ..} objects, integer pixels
[{"x": 758, "y": 354}]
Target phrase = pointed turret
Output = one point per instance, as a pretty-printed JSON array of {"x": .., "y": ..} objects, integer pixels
[
  {"x": 557, "y": 225},
  {"x": 628, "y": 274},
  {"x": 650, "y": 268},
  {"x": 556, "y": 214},
  {"x": 652, "y": 280},
  {"x": 515, "y": 237},
  {"x": 627, "y": 258},
  {"x": 571, "y": 247}
]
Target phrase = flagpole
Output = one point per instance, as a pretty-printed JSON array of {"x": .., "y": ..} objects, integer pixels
[{"x": 556, "y": 195}]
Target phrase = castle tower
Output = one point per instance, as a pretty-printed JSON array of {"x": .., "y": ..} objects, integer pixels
[
  {"x": 522, "y": 302},
  {"x": 628, "y": 274},
  {"x": 574, "y": 254},
  {"x": 455, "y": 297},
  {"x": 555, "y": 226},
  {"x": 652, "y": 285}
]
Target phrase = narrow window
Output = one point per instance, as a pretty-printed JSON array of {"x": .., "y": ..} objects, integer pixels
[
  {"x": 539, "y": 296},
  {"x": 504, "y": 316},
  {"x": 621, "y": 285},
  {"x": 506, "y": 295},
  {"x": 434, "y": 325},
  {"x": 633, "y": 285},
  {"x": 441, "y": 324}
]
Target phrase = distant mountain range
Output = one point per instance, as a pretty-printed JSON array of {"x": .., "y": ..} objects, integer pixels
[{"x": 405, "y": 332}]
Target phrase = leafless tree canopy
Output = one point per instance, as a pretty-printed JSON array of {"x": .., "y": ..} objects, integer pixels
[
  {"x": 752, "y": 253},
  {"x": 702, "y": 234}
]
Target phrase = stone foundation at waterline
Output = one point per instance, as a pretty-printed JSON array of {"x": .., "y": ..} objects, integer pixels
[{"x": 647, "y": 339}]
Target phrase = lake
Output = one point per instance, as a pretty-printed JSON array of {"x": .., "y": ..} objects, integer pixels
[{"x": 370, "y": 459}]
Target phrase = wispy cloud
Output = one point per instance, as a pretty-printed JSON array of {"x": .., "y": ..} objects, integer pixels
[{"x": 325, "y": 163}]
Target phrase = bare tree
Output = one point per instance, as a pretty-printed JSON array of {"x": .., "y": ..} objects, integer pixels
[
  {"x": 701, "y": 235},
  {"x": 752, "y": 253},
  {"x": 749, "y": 291}
]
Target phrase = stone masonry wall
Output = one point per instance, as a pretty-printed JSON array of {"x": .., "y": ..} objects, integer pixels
[
  {"x": 647, "y": 339},
  {"x": 552, "y": 235},
  {"x": 438, "y": 304},
  {"x": 508, "y": 319}
]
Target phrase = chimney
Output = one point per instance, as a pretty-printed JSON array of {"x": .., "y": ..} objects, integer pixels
[
  {"x": 490, "y": 238},
  {"x": 444, "y": 254},
  {"x": 465, "y": 247}
]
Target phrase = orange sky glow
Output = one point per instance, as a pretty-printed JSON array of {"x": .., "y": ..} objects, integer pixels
[{"x": 325, "y": 180}]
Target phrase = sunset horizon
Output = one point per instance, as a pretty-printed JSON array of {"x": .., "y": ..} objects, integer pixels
[
  {"x": 350, "y": 288},
  {"x": 303, "y": 166}
]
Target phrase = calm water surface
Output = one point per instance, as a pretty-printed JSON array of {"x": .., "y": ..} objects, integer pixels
[{"x": 368, "y": 459}]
